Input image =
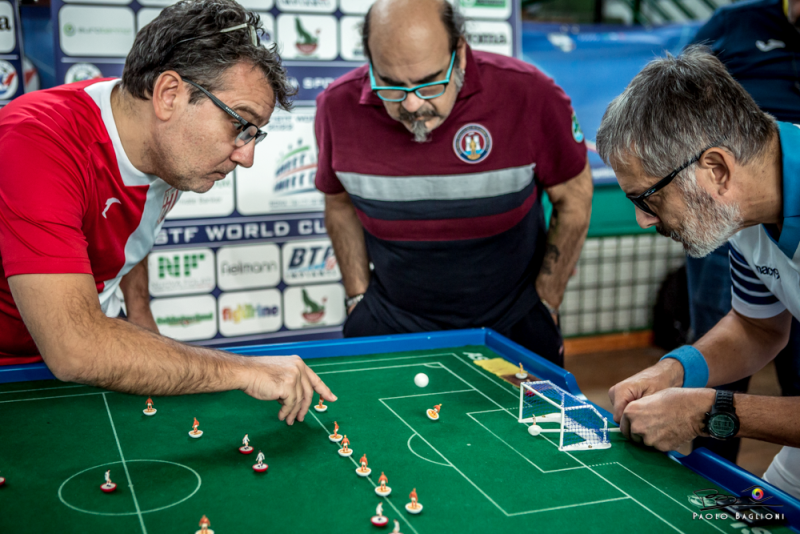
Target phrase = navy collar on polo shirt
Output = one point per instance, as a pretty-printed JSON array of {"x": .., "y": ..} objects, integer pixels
[
  {"x": 790, "y": 166},
  {"x": 472, "y": 83}
]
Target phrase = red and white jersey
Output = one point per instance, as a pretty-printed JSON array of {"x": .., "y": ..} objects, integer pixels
[{"x": 70, "y": 200}]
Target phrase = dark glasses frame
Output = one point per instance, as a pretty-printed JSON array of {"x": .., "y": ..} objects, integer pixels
[
  {"x": 639, "y": 200},
  {"x": 247, "y": 130}
]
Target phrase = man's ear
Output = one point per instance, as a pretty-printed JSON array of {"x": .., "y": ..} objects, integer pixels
[
  {"x": 168, "y": 92},
  {"x": 461, "y": 53},
  {"x": 719, "y": 165}
]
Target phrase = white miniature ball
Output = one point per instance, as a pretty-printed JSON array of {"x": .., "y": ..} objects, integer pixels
[
  {"x": 421, "y": 380},
  {"x": 534, "y": 430}
]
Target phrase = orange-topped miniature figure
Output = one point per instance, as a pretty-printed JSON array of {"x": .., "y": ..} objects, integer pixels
[{"x": 414, "y": 507}]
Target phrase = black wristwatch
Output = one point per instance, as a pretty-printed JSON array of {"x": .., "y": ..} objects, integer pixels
[{"x": 721, "y": 422}]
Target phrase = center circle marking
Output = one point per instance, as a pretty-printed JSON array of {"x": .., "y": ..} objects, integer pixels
[{"x": 92, "y": 512}]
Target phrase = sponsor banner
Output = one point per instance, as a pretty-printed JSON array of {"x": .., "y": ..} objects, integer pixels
[
  {"x": 309, "y": 261},
  {"x": 186, "y": 318},
  {"x": 355, "y": 7},
  {"x": 8, "y": 28},
  {"x": 157, "y": 3},
  {"x": 248, "y": 266},
  {"x": 9, "y": 80},
  {"x": 241, "y": 230},
  {"x": 307, "y": 6},
  {"x": 80, "y": 72},
  {"x": 308, "y": 37},
  {"x": 484, "y": 9},
  {"x": 282, "y": 176},
  {"x": 250, "y": 312},
  {"x": 350, "y": 39},
  {"x": 216, "y": 202},
  {"x": 311, "y": 81},
  {"x": 181, "y": 272},
  {"x": 258, "y": 5},
  {"x": 145, "y": 16},
  {"x": 96, "y": 31},
  {"x": 314, "y": 306},
  {"x": 495, "y": 37}
]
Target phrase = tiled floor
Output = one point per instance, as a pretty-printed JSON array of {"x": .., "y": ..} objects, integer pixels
[{"x": 597, "y": 372}]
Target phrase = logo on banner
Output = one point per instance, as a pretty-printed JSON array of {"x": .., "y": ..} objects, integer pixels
[
  {"x": 9, "y": 80},
  {"x": 313, "y": 312},
  {"x": 186, "y": 318},
  {"x": 69, "y": 30},
  {"x": 306, "y": 43},
  {"x": 472, "y": 143},
  {"x": 179, "y": 273},
  {"x": 5, "y": 24},
  {"x": 252, "y": 312},
  {"x": 484, "y": 3},
  {"x": 310, "y": 261},
  {"x": 295, "y": 171},
  {"x": 80, "y": 72}
]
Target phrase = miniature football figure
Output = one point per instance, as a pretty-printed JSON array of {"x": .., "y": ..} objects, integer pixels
[
  {"x": 383, "y": 490},
  {"x": 194, "y": 432},
  {"x": 433, "y": 414},
  {"x": 414, "y": 507},
  {"x": 345, "y": 451},
  {"x": 246, "y": 448},
  {"x": 335, "y": 437},
  {"x": 149, "y": 410},
  {"x": 363, "y": 471}
]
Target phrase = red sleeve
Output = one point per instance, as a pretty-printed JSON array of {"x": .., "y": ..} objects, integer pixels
[
  {"x": 560, "y": 147},
  {"x": 42, "y": 200},
  {"x": 326, "y": 179}
]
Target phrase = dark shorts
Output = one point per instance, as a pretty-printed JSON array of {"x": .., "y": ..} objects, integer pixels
[{"x": 536, "y": 331}]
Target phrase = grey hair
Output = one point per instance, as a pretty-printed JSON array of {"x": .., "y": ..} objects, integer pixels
[
  {"x": 156, "y": 49},
  {"x": 677, "y": 106}
]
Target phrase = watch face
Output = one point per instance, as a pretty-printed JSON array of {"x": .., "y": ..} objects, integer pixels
[{"x": 722, "y": 425}]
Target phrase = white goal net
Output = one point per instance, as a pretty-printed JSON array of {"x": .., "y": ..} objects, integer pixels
[{"x": 580, "y": 425}]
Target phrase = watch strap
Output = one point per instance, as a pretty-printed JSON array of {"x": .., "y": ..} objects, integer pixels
[
  {"x": 723, "y": 401},
  {"x": 352, "y": 301}
]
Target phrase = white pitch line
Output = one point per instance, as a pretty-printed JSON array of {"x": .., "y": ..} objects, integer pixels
[
  {"x": 446, "y": 460},
  {"x": 53, "y": 397},
  {"x": 42, "y": 389},
  {"x": 371, "y": 481},
  {"x": 667, "y": 495},
  {"x": 515, "y": 450},
  {"x": 371, "y": 369},
  {"x": 125, "y": 466},
  {"x": 417, "y": 357},
  {"x": 420, "y": 456},
  {"x": 566, "y": 506},
  {"x": 429, "y": 394}
]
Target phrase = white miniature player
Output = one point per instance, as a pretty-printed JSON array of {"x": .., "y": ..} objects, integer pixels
[
  {"x": 522, "y": 375},
  {"x": 260, "y": 459},
  {"x": 379, "y": 520},
  {"x": 246, "y": 448},
  {"x": 396, "y": 527}
]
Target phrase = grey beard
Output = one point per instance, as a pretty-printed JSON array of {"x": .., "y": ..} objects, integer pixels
[
  {"x": 421, "y": 132},
  {"x": 709, "y": 224}
]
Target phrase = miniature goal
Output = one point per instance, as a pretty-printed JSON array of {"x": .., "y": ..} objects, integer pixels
[{"x": 581, "y": 427}]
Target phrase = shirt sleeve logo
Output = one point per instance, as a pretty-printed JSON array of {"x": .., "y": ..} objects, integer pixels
[
  {"x": 472, "y": 143},
  {"x": 577, "y": 133}
]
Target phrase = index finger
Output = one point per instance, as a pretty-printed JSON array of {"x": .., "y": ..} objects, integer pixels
[{"x": 319, "y": 386}]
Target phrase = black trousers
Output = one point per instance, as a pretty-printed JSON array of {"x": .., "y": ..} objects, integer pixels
[{"x": 536, "y": 331}]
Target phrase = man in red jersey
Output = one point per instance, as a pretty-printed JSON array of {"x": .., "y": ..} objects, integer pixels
[
  {"x": 91, "y": 169},
  {"x": 434, "y": 158}
]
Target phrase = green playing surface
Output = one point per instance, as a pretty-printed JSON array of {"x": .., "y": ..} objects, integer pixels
[{"x": 475, "y": 470}]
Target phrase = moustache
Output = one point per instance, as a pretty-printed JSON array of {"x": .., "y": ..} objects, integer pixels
[{"x": 417, "y": 115}]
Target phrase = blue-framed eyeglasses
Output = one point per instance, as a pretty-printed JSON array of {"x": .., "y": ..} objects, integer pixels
[{"x": 426, "y": 91}]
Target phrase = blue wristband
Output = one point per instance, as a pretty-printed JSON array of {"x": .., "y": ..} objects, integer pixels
[{"x": 695, "y": 368}]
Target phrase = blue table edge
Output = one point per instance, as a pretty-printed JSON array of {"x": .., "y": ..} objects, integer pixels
[{"x": 721, "y": 472}]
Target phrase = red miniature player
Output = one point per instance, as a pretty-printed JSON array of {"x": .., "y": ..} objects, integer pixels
[
  {"x": 363, "y": 471},
  {"x": 149, "y": 410},
  {"x": 204, "y": 526},
  {"x": 2, "y": 481},
  {"x": 433, "y": 414},
  {"x": 194, "y": 432},
  {"x": 335, "y": 437},
  {"x": 345, "y": 451},
  {"x": 321, "y": 407},
  {"x": 414, "y": 507},
  {"x": 383, "y": 490}
]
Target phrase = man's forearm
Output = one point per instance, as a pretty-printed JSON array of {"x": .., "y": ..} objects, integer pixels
[
  {"x": 769, "y": 418},
  {"x": 135, "y": 289},
  {"x": 347, "y": 237},
  {"x": 738, "y": 347},
  {"x": 569, "y": 224}
]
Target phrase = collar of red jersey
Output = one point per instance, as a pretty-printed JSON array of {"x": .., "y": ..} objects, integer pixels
[{"x": 472, "y": 83}]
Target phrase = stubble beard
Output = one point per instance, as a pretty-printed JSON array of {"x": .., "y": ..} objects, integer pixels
[{"x": 709, "y": 223}]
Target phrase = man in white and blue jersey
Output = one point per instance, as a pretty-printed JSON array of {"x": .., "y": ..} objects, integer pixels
[{"x": 714, "y": 168}]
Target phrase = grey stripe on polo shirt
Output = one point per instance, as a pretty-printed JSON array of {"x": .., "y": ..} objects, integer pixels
[{"x": 444, "y": 187}]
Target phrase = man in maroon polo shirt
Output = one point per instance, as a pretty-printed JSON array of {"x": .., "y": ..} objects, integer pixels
[{"x": 433, "y": 158}]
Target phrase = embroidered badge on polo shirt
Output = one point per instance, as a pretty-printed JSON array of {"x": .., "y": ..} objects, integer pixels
[{"x": 472, "y": 143}]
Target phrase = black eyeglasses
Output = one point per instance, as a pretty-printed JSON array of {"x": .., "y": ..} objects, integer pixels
[
  {"x": 639, "y": 200},
  {"x": 247, "y": 130}
]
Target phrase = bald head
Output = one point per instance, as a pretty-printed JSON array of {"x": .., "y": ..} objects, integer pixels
[{"x": 409, "y": 28}]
